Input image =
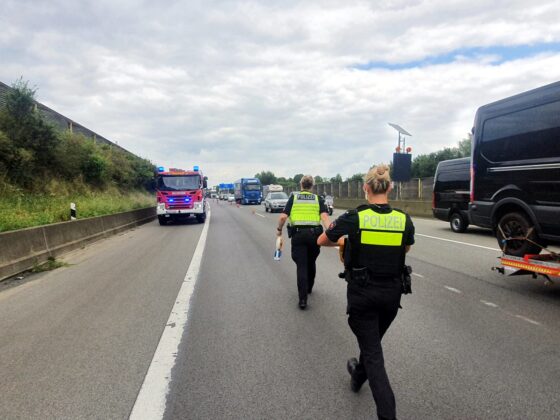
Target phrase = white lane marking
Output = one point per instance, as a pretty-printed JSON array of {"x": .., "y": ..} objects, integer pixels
[
  {"x": 458, "y": 242},
  {"x": 491, "y": 304},
  {"x": 150, "y": 402},
  {"x": 261, "y": 215},
  {"x": 529, "y": 320},
  {"x": 452, "y": 289},
  {"x": 418, "y": 275}
]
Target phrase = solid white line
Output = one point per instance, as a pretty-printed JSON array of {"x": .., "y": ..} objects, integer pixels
[
  {"x": 529, "y": 320},
  {"x": 452, "y": 289},
  {"x": 418, "y": 275},
  {"x": 150, "y": 402},
  {"x": 492, "y": 305},
  {"x": 458, "y": 242}
]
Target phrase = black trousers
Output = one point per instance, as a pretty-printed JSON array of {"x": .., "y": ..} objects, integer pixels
[
  {"x": 304, "y": 253},
  {"x": 371, "y": 311}
]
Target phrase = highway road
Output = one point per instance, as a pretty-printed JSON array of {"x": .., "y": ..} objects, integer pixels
[{"x": 104, "y": 337}]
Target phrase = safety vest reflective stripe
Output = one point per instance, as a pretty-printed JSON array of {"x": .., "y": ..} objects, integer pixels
[
  {"x": 305, "y": 210},
  {"x": 369, "y": 237},
  {"x": 381, "y": 229}
]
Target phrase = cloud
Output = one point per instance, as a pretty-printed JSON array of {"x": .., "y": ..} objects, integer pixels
[{"x": 289, "y": 86}]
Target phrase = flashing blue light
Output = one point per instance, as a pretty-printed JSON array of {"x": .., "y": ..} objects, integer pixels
[
  {"x": 195, "y": 168},
  {"x": 161, "y": 169},
  {"x": 171, "y": 200}
]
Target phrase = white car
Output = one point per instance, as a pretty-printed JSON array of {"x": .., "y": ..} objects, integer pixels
[
  {"x": 230, "y": 198},
  {"x": 275, "y": 201}
]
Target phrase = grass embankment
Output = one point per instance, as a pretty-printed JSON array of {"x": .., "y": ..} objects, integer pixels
[{"x": 19, "y": 211}]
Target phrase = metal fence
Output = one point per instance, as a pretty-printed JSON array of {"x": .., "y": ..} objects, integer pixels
[{"x": 419, "y": 189}]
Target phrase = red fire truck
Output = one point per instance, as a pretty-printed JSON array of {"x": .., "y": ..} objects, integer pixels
[{"x": 180, "y": 194}]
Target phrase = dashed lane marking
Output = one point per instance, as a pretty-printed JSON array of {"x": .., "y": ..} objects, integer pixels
[
  {"x": 458, "y": 242},
  {"x": 491, "y": 304},
  {"x": 452, "y": 289},
  {"x": 418, "y": 275},
  {"x": 150, "y": 402},
  {"x": 260, "y": 215},
  {"x": 529, "y": 320}
]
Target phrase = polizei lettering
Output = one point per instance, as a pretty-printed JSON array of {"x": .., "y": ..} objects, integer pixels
[{"x": 383, "y": 222}]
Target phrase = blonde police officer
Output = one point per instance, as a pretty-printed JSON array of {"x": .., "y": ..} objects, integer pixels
[
  {"x": 306, "y": 212},
  {"x": 378, "y": 239}
]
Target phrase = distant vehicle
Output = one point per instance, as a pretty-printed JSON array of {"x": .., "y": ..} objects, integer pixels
[
  {"x": 213, "y": 195},
  {"x": 230, "y": 198},
  {"x": 271, "y": 188},
  {"x": 248, "y": 191},
  {"x": 275, "y": 201},
  {"x": 451, "y": 193},
  {"x": 180, "y": 194},
  {"x": 515, "y": 170},
  {"x": 329, "y": 202}
]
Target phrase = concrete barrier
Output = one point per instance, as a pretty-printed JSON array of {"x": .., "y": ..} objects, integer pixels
[
  {"x": 414, "y": 208},
  {"x": 21, "y": 249}
]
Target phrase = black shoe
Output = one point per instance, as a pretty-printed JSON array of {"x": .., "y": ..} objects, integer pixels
[
  {"x": 302, "y": 304},
  {"x": 355, "y": 382}
]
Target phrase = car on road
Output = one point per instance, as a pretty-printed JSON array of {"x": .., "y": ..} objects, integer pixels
[
  {"x": 515, "y": 170},
  {"x": 230, "y": 198},
  {"x": 451, "y": 193},
  {"x": 275, "y": 201}
]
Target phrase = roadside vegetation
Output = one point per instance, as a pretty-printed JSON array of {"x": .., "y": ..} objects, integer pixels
[
  {"x": 43, "y": 170},
  {"x": 423, "y": 166}
]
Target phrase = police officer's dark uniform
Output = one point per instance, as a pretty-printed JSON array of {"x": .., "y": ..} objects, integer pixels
[
  {"x": 304, "y": 210},
  {"x": 377, "y": 237}
]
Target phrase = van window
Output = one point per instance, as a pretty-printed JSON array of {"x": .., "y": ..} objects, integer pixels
[{"x": 532, "y": 133}]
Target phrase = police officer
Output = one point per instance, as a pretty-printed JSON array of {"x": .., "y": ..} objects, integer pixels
[
  {"x": 306, "y": 211},
  {"x": 378, "y": 239}
]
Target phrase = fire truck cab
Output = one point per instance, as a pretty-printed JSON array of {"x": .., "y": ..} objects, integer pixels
[{"x": 180, "y": 194}]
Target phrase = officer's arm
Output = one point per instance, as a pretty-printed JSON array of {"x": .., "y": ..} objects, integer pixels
[
  {"x": 281, "y": 220},
  {"x": 325, "y": 219},
  {"x": 323, "y": 240}
]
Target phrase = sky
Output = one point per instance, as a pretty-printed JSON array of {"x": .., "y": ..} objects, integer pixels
[{"x": 238, "y": 87}]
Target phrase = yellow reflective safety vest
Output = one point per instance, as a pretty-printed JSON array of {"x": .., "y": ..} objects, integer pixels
[
  {"x": 384, "y": 229},
  {"x": 305, "y": 210},
  {"x": 379, "y": 244}
]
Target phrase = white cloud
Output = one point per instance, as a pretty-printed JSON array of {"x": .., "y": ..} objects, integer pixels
[{"x": 242, "y": 86}]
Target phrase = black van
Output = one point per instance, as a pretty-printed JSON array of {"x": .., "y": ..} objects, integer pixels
[
  {"x": 515, "y": 174},
  {"x": 451, "y": 193}
]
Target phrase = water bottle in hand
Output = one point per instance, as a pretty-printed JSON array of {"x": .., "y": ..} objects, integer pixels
[{"x": 279, "y": 246}]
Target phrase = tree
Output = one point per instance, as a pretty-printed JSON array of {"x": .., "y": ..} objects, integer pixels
[
  {"x": 337, "y": 178},
  {"x": 424, "y": 166},
  {"x": 356, "y": 177},
  {"x": 297, "y": 178},
  {"x": 266, "y": 177},
  {"x": 319, "y": 179}
]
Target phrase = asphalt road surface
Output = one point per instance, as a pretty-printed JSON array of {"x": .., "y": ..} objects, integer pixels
[{"x": 77, "y": 342}]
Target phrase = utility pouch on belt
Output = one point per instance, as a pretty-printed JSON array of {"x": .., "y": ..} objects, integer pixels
[
  {"x": 406, "y": 280},
  {"x": 359, "y": 276}
]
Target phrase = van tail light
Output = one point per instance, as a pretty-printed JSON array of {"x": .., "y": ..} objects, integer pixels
[{"x": 472, "y": 183}]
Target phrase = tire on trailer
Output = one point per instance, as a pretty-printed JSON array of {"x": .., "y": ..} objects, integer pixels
[
  {"x": 516, "y": 225},
  {"x": 458, "y": 223}
]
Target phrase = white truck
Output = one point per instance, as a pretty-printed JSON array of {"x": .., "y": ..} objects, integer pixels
[{"x": 271, "y": 188}]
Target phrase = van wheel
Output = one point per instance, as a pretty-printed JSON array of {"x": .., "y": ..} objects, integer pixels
[
  {"x": 516, "y": 225},
  {"x": 458, "y": 223}
]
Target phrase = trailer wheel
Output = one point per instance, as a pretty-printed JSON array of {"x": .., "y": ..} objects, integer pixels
[
  {"x": 458, "y": 223},
  {"x": 516, "y": 225}
]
